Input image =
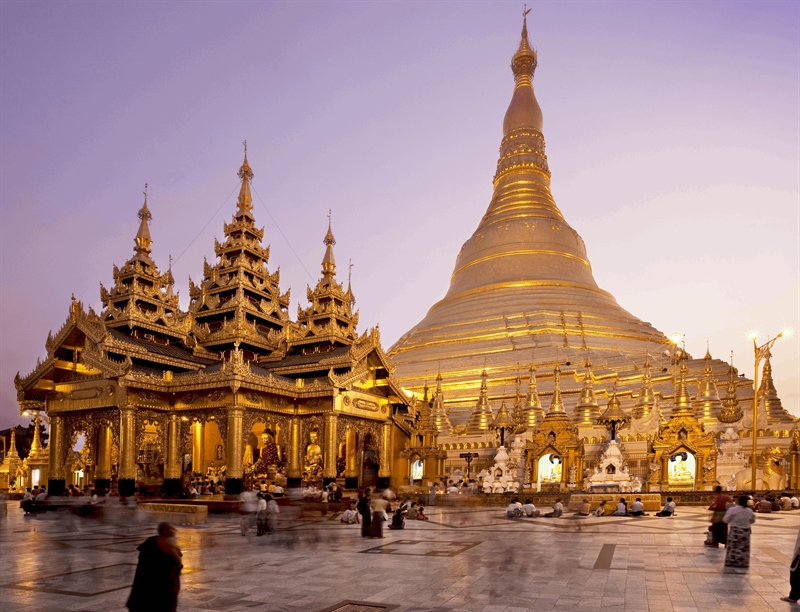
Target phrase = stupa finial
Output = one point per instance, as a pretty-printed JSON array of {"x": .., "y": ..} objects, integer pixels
[{"x": 245, "y": 201}]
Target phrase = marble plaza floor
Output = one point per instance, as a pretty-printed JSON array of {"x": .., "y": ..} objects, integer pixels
[{"x": 472, "y": 559}]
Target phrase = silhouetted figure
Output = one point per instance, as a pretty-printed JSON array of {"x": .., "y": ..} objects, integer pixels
[{"x": 158, "y": 573}]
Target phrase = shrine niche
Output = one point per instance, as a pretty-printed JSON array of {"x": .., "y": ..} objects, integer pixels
[{"x": 686, "y": 455}]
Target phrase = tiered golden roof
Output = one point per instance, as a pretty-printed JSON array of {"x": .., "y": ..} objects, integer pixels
[
  {"x": 329, "y": 318},
  {"x": 238, "y": 300},
  {"x": 142, "y": 299}
]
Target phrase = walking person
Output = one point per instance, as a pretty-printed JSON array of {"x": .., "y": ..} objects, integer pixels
[
  {"x": 794, "y": 575},
  {"x": 379, "y": 507},
  {"x": 718, "y": 531},
  {"x": 364, "y": 510},
  {"x": 158, "y": 573},
  {"x": 739, "y": 518},
  {"x": 272, "y": 514},
  {"x": 432, "y": 494}
]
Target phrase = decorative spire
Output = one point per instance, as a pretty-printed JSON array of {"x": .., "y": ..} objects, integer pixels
[
  {"x": 556, "y": 405},
  {"x": 683, "y": 405},
  {"x": 707, "y": 400},
  {"x": 520, "y": 426},
  {"x": 647, "y": 398},
  {"x": 482, "y": 416},
  {"x": 587, "y": 409},
  {"x": 768, "y": 394},
  {"x": 534, "y": 413},
  {"x": 142, "y": 239},
  {"x": 12, "y": 451},
  {"x": 328, "y": 262},
  {"x": 524, "y": 62},
  {"x": 438, "y": 413},
  {"x": 244, "y": 205},
  {"x": 731, "y": 412}
]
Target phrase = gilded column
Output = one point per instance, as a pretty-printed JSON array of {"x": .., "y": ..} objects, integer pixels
[
  {"x": 295, "y": 471},
  {"x": 234, "y": 472},
  {"x": 55, "y": 482},
  {"x": 172, "y": 469},
  {"x": 329, "y": 461},
  {"x": 664, "y": 472},
  {"x": 385, "y": 466},
  {"x": 102, "y": 478},
  {"x": 351, "y": 460},
  {"x": 197, "y": 446},
  {"x": 127, "y": 443}
]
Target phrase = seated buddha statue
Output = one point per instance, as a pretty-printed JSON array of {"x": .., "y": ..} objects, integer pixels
[
  {"x": 312, "y": 468},
  {"x": 270, "y": 454},
  {"x": 679, "y": 472}
]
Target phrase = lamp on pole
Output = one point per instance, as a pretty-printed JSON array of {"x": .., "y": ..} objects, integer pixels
[{"x": 759, "y": 353}]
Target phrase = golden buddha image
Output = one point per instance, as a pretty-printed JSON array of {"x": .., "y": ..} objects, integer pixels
[{"x": 312, "y": 469}]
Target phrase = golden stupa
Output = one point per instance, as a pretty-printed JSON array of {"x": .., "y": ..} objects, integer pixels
[{"x": 523, "y": 282}]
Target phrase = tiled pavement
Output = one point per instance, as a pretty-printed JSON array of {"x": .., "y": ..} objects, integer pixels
[{"x": 460, "y": 560}]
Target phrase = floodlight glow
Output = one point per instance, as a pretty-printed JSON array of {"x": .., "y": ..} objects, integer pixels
[
  {"x": 752, "y": 335},
  {"x": 787, "y": 332},
  {"x": 676, "y": 337}
]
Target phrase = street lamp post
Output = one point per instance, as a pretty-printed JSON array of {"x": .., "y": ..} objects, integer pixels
[{"x": 759, "y": 353}]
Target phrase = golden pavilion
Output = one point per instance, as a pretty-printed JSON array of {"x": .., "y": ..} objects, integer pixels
[{"x": 232, "y": 389}]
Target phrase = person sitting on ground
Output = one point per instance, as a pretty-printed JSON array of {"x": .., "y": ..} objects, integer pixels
[
  {"x": 193, "y": 492},
  {"x": 622, "y": 508},
  {"x": 421, "y": 514},
  {"x": 668, "y": 509},
  {"x": 765, "y": 505},
  {"x": 558, "y": 510},
  {"x": 42, "y": 494},
  {"x": 514, "y": 509},
  {"x": 585, "y": 508},
  {"x": 786, "y": 502},
  {"x": 412, "y": 511},
  {"x": 795, "y": 502},
  {"x": 528, "y": 509},
  {"x": 776, "y": 503},
  {"x": 452, "y": 489},
  {"x": 398, "y": 520},
  {"x": 637, "y": 508},
  {"x": 220, "y": 490},
  {"x": 601, "y": 509},
  {"x": 35, "y": 491},
  {"x": 263, "y": 487},
  {"x": 278, "y": 492},
  {"x": 350, "y": 515}
]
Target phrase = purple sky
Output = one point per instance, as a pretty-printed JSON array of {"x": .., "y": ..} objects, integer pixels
[{"x": 673, "y": 132}]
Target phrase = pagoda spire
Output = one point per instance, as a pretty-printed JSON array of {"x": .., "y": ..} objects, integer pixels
[
  {"x": 328, "y": 261},
  {"x": 520, "y": 426},
  {"x": 768, "y": 395},
  {"x": 438, "y": 412},
  {"x": 330, "y": 316},
  {"x": 707, "y": 402},
  {"x": 731, "y": 412},
  {"x": 142, "y": 239},
  {"x": 556, "y": 405},
  {"x": 244, "y": 204},
  {"x": 12, "y": 450},
  {"x": 534, "y": 413},
  {"x": 683, "y": 404},
  {"x": 647, "y": 398},
  {"x": 482, "y": 416},
  {"x": 587, "y": 409}
]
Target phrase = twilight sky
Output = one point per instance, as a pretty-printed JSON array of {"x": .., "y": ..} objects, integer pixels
[{"x": 672, "y": 128}]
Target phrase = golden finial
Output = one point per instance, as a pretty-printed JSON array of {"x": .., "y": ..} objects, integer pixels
[
  {"x": 524, "y": 62},
  {"x": 349, "y": 272}
]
